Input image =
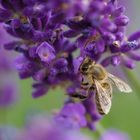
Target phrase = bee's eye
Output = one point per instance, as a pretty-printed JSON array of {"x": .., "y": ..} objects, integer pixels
[{"x": 84, "y": 68}]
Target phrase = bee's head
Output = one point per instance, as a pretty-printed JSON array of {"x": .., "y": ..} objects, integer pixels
[{"x": 86, "y": 65}]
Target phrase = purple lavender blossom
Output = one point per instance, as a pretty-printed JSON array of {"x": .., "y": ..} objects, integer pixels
[
  {"x": 91, "y": 114},
  {"x": 25, "y": 67},
  {"x": 41, "y": 128},
  {"x": 72, "y": 116},
  {"x": 54, "y": 36},
  {"x": 113, "y": 134}
]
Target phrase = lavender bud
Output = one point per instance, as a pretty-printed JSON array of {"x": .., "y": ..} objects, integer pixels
[
  {"x": 121, "y": 20},
  {"x": 119, "y": 11},
  {"x": 128, "y": 63},
  {"x": 116, "y": 60},
  {"x": 134, "y": 56},
  {"x": 134, "y": 36}
]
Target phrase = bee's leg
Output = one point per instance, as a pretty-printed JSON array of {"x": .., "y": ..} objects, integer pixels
[
  {"x": 78, "y": 95},
  {"x": 88, "y": 93},
  {"x": 81, "y": 93},
  {"x": 86, "y": 88}
]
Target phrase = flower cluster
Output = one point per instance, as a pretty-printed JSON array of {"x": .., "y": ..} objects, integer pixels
[{"x": 53, "y": 37}]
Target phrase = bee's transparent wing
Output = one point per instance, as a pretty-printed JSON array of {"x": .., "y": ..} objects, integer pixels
[
  {"x": 108, "y": 88},
  {"x": 103, "y": 100},
  {"x": 121, "y": 85}
]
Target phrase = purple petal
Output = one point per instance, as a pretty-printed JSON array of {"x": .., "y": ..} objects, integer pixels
[
  {"x": 128, "y": 63},
  {"x": 121, "y": 20},
  {"x": 116, "y": 60},
  {"x": 134, "y": 36},
  {"x": 134, "y": 56},
  {"x": 39, "y": 91},
  {"x": 106, "y": 62},
  {"x": 118, "y": 11},
  {"x": 46, "y": 52}
]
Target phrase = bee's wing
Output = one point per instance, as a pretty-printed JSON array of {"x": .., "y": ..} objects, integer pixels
[
  {"x": 103, "y": 99},
  {"x": 108, "y": 88},
  {"x": 121, "y": 85}
]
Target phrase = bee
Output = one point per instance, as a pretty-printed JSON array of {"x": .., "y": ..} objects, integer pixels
[{"x": 96, "y": 78}]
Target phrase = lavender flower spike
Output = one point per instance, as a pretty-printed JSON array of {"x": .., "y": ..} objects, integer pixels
[{"x": 53, "y": 38}]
